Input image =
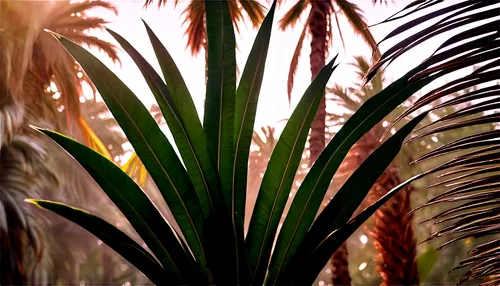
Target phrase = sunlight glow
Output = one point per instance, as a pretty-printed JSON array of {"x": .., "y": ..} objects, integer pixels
[
  {"x": 53, "y": 86},
  {"x": 363, "y": 239}
]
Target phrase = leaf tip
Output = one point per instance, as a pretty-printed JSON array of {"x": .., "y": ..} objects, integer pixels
[
  {"x": 33, "y": 202},
  {"x": 56, "y": 35},
  {"x": 38, "y": 129}
]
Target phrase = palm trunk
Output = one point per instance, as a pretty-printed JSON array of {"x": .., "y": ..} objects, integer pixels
[
  {"x": 393, "y": 234},
  {"x": 317, "y": 25},
  {"x": 393, "y": 231}
]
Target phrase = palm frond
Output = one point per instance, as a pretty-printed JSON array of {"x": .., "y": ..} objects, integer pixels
[
  {"x": 469, "y": 175},
  {"x": 293, "y": 15},
  {"x": 353, "y": 14},
  {"x": 108, "y": 48},
  {"x": 254, "y": 10},
  {"x": 295, "y": 62},
  {"x": 195, "y": 17},
  {"x": 81, "y": 7},
  {"x": 338, "y": 28},
  {"x": 72, "y": 21},
  {"x": 31, "y": 63}
]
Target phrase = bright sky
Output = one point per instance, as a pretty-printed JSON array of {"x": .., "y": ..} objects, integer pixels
[{"x": 167, "y": 23}]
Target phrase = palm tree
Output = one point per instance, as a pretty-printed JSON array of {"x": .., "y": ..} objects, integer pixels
[
  {"x": 195, "y": 16},
  {"x": 39, "y": 80},
  {"x": 319, "y": 25},
  {"x": 392, "y": 231},
  {"x": 469, "y": 174}
]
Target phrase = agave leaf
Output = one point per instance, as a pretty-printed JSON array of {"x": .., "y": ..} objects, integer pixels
[
  {"x": 320, "y": 254},
  {"x": 218, "y": 124},
  {"x": 338, "y": 211},
  {"x": 134, "y": 204},
  {"x": 151, "y": 145},
  {"x": 218, "y": 120},
  {"x": 205, "y": 177},
  {"x": 192, "y": 159},
  {"x": 247, "y": 95},
  {"x": 279, "y": 177},
  {"x": 114, "y": 238}
]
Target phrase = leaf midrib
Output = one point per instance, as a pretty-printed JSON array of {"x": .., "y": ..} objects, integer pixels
[
  {"x": 239, "y": 136},
  {"x": 192, "y": 151},
  {"x": 279, "y": 190},
  {"x": 325, "y": 167},
  {"x": 158, "y": 162},
  {"x": 141, "y": 219}
]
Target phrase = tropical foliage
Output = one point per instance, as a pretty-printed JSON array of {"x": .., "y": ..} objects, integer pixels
[
  {"x": 40, "y": 83},
  {"x": 319, "y": 25},
  {"x": 207, "y": 198},
  {"x": 392, "y": 230},
  {"x": 195, "y": 17},
  {"x": 205, "y": 188},
  {"x": 471, "y": 174}
]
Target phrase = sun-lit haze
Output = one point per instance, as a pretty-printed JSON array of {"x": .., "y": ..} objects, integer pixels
[{"x": 167, "y": 23}]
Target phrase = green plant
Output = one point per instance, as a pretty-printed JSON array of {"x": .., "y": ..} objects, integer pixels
[
  {"x": 207, "y": 196},
  {"x": 319, "y": 25}
]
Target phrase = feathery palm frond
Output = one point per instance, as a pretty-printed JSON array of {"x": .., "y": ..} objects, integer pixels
[
  {"x": 350, "y": 10},
  {"x": 354, "y": 16},
  {"x": 470, "y": 172}
]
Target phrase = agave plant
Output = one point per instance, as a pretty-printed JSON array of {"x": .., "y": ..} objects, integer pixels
[{"x": 205, "y": 189}]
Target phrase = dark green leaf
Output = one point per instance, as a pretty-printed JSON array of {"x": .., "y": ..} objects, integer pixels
[
  {"x": 218, "y": 123},
  {"x": 207, "y": 185},
  {"x": 279, "y": 177},
  {"x": 320, "y": 255},
  {"x": 218, "y": 120},
  {"x": 193, "y": 233},
  {"x": 134, "y": 204},
  {"x": 156, "y": 153},
  {"x": 247, "y": 96},
  {"x": 293, "y": 237},
  {"x": 113, "y": 237}
]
